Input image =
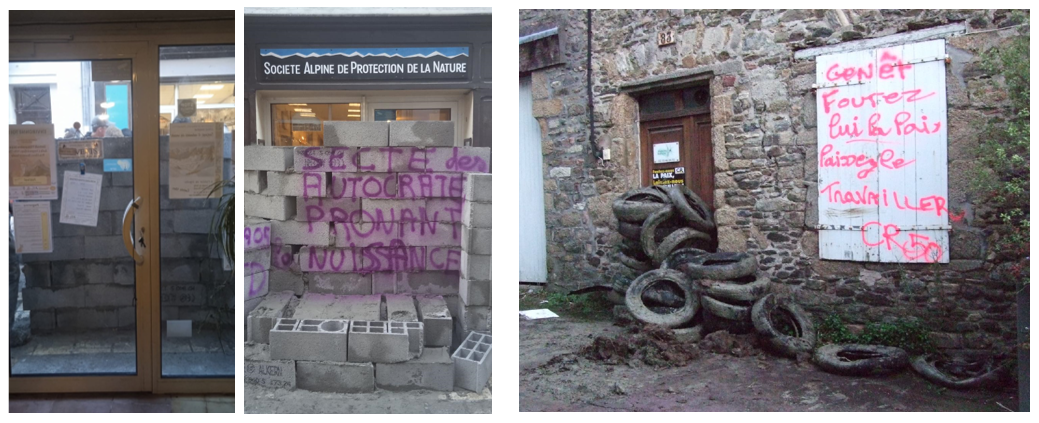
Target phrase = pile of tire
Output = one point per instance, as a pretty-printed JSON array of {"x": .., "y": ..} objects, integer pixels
[{"x": 667, "y": 234}]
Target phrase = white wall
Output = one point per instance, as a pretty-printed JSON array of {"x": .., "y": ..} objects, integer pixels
[{"x": 65, "y": 81}]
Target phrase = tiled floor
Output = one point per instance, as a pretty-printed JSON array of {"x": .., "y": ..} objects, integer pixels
[{"x": 121, "y": 403}]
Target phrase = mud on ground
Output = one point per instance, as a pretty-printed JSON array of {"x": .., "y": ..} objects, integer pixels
[
  {"x": 263, "y": 400},
  {"x": 556, "y": 374}
]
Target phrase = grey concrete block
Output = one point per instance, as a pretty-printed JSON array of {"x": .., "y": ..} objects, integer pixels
[
  {"x": 105, "y": 247},
  {"x": 473, "y": 362},
  {"x": 255, "y": 181},
  {"x": 173, "y": 246},
  {"x": 476, "y": 318},
  {"x": 262, "y": 157},
  {"x": 475, "y": 266},
  {"x": 436, "y": 283},
  {"x": 196, "y": 221},
  {"x": 474, "y": 293},
  {"x": 422, "y": 134},
  {"x": 37, "y": 275},
  {"x": 257, "y": 234},
  {"x": 312, "y": 258},
  {"x": 384, "y": 283},
  {"x": 256, "y": 261},
  {"x": 120, "y": 148},
  {"x": 346, "y": 307},
  {"x": 126, "y": 316},
  {"x": 436, "y": 320},
  {"x": 306, "y": 185},
  {"x": 115, "y": 198},
  {"x": 478, "y": 187},
  {"x": 356, "y": 134},
  {"x": 105, "y": 225},
  {"x": 277, "y": 208},
  {"x": 311, "y": 340},
  {"x": 257, "y": 284},
  {"x": 476, "y": 215},
  {"x": 180, "y": 271},
  {"x": 378, "y": 342},
  {"x": 193, "y": 295},
  {"x": 447, "y": 210},
  {"x": 262, "y": 318},
  {"x": 400, "y": 308},
  {"x": 286, "y": 280},
  {"x": 434, "y": 370},
  {"x": 363, "y": 185},
  {"x": 324, "y": 159},
  {"x": 339, "y": 283},
  {"x": 261, "y": 370},
  {"x": 42, "y": 321},
  {"x": 65, "y": 248},
  {"x": 392, "y": 210},
  {"x": 86, "y": 318},
  {"x": 83, "y": 272},
  {"x": 324, "y": 376},
  {"x": 328, "y": 209},
  {"x": 391, "y": 159},
  {"x": 291, "y": 232},
  {"x": 458, "y": 159},
  {"x": 476, "y": 240}
]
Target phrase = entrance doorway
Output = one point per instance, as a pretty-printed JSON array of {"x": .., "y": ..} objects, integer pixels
[
  {"x": 675, "y": 134},
  {"x": 126, "y": 290}
]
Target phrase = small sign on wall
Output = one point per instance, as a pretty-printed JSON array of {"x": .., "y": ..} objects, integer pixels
[
  {"x": 668, "y": 177},
  {"x": 665, "y": 38},
  {"x": 80, "y": 150},
  {"x": 666, "y": 152}
]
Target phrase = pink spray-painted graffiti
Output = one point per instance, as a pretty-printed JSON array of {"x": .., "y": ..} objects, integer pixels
[
  {"x": 257, "y": 279},
  {"x": 257, "y": 237},
  {"x": 906, "y": 125}
]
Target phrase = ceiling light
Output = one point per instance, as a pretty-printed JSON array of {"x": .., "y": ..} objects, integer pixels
[
  {"x": 200, "y": 102},
  {"x": 203, "y": 95},
  {"x": 107, "y": 104},
  {"x": 353, "y": 111},
  {"x": 353, "y": 115},
  {"x": 297, "y": 104},
  {"x": 212, "y": 87},
  {"x": 307, "y": 115},
  {"x": 303, "y": 110},
  {"x": 103, "y": 116}
]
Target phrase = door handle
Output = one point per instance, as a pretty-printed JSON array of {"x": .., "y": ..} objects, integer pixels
[{"x": 128, "y": 241}]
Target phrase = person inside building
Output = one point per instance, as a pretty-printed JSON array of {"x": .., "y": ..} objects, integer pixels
[
  {"x": 73, "y": 132},
  {"x": 97, "y": 128}
]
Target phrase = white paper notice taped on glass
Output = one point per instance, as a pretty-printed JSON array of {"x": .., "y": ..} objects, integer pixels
[
  {"x": 80, "y": 198},
  {"x": 33, "y": 163},
  {"x": 32, "y": 227},
  {"x": 196, "y": 159},
  {"x": 665, "y": 152},
  {"x": 541, "y": 313}
]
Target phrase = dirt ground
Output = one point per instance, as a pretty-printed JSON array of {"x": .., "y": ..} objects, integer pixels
[
  {"x": 261, "y": 400},
  {"x": 554, "y": 379}
]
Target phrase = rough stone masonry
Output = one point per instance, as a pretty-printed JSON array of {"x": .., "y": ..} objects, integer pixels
[
  {"x": 366, "y": 257},
  {"x": 763, "y": 132}
]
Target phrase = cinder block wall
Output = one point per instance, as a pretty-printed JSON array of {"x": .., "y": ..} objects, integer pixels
[
  {"x": 379, "y": 209},
  {"x": 88, "y": 281}
]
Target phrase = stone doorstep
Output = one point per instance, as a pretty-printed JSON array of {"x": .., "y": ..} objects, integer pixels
[{"x": 473, "y": 362}]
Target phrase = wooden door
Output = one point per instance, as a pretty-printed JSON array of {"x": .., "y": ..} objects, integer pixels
[{"x": 678, "y": 151}]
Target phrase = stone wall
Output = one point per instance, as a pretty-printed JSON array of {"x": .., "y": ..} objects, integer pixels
[
  {"x": 382, "y": 208},
  {"x": 764, "y": 140},
  {"x": 88, "y": 281}
]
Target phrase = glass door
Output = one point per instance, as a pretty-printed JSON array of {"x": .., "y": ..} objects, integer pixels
[
  {"x": 76, "y": 220},
  {"x": 122, "y": 284}
]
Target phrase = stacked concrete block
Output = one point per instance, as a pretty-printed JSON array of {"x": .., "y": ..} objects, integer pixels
[
  {"x": 372, "y": 226},
  {"x": 261, "y": 370},
  {"x": 262, "y": 318},
  {"x": 473, "y": 362},
  {"x": 378, "y": 342},
  {"x": 329, "y": 376},
  {"x": 257, "y": 262},
  {"x": 88, "y": 281},
  {"x": 475, "y": 283},
  {"x": 313, "y": 340},
  {"x": 434, "y": 370}
]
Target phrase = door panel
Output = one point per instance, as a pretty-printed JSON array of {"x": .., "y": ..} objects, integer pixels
[{"x": 679, "y": 151}]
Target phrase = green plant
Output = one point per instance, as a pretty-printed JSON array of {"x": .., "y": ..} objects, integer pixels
[
  {"x": 1001, "y": 180},
  {"x": 908, "y": 334},
  {"x": 221, "y": 237}
]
